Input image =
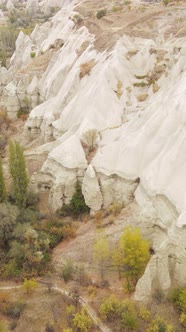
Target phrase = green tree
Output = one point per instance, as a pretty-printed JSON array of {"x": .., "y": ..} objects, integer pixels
[
  {"x": 77, "y": 202},
  {"x": 8, "y": 215},
  {"x": 132, "y": 254},
  {"x": 101, "y": 253},
  {"x": 17, "y": 167},
  {"x": 2, "y": 184}
]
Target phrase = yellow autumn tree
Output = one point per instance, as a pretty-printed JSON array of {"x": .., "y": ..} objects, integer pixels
[{"x": 131, "y": 254}]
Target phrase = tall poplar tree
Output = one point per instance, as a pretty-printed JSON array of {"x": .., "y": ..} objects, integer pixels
[
  {"x": 17, "y": 167},
  {"x": 2, "y": 184}
]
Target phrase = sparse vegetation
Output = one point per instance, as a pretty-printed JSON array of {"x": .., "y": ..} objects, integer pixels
[
  {"x": 67, "y": 271},
  {"x": 89, "y": 139},
  {"x": 101, "y": 254},
  {"x": 165, "y": 2},
  {"x": 119, "y": 89},
  {"x": 32, "y": 54},
  {"x": 85, "y": 68},
  {"x": 116, "y": 8},
  {"x": 101, "y": 13}
]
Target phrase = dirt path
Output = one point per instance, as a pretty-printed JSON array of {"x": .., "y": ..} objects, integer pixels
[
  {"x": 82, "y": 301},
  {"x": 136, "y": 20}
]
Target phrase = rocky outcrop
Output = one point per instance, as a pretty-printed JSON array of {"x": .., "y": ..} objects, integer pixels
[
  {"x": 72, "y": 89},
  {"x": 32, "y": 7}
]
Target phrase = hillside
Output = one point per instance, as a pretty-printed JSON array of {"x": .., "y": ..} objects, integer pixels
[{"x": 104, "y": 104}]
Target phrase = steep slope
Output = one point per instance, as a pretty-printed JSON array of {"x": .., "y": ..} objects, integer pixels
[{"x": 126, "y": 79}]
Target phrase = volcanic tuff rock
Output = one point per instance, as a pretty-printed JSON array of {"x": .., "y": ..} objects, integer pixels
[{"x": 73, "y": 87}]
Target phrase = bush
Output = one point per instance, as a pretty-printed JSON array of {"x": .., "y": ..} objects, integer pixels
[
  {"x": 144, "y": 313},
  {"x": 129, "y": 320},
  {"x": 159, "y": 325},
  {"x": 14, "y": 310},
  {"x": 101, "y": 13},
  {"x": 22, "y": 113},
  {"x": 110, "y": 308},
  {"x": 49, "y": 328},
  {"x": 27, "y": 216},
  {"x": 77, "y": 205},
  {"x": 116, "y": 8},
  {"x": 82, "y": 321},
  {"x": 128, "y": 316},
  {"x": 115, "y": 208},
  {"x": 182, "y": 319},
  {"x": 32, "y": 200},
  {"x": 29, "y": 285},
  {"x": 165, "y": 2},
  {"x": 89, "y": 138},
  {"x": 178, "y": 297},
  {"x": 67, "y": 271},
  {"x": 68, "y": 232},
  {"x": 32, "y": 54}
]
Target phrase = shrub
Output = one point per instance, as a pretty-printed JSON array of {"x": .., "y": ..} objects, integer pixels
[
  {"x": 13, "y": 325},
  {"x": 115, "y": 208},
  {"x": 116, "y": 8},
  {"x": 4, "y": 119},
  {"x": 3, "y": 142},
  {"x": 159, "y": 325},
  {"x": 68, "y": 232},
  {"x": 77, "y": 205},
  {"x": 32, "y": 54},
  {"x": 77, "y": 18},
  {"x": 128, "y": 316},
  {"x": 27, "y": 216},
  {"x": 181, "y": 302},
  {"x": 29, "y": 285},
  {"x": 82, "y": 321},
  {"x": 110, "y": 308},
  {"x": 32, "y": 200},
  {"x": 129, "y": 320},
  {"x": 141, "y": 84},
  {"x": 49, "y": 328},
  {"x": 101, "y": 13},
  {"x": 144, "y": 314},
  {"x": 165, "y": 2},
  {"x": 178, "y": 297},
  {"x": 67, "y": 271},
  {"x": 22, "y": 113},
  {"x": 182, "y": 319},
  {"x": 89, "y": 138},
  {"x": 92, "y": 291},
  {"x": 14, "y": 310}
]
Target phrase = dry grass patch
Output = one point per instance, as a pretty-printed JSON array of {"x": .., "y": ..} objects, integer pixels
[
  {"x": 142, "y": 97},
  {"x": 85, "y": 68}
]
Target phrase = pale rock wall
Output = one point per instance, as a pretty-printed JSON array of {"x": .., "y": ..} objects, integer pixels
[{"x": 142, "y": 144}]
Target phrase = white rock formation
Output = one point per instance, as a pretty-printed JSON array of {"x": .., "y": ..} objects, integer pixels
[
  {"x": 142, "y": 144},
  {"x": 10, "y": 6},
  {"x": 32, "y": 7}
]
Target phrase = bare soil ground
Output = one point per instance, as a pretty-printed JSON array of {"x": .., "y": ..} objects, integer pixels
[{"x": 145, "y": 20}]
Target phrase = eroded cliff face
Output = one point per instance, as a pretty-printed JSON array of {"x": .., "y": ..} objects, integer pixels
[{"x": 131, "y": 90}]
